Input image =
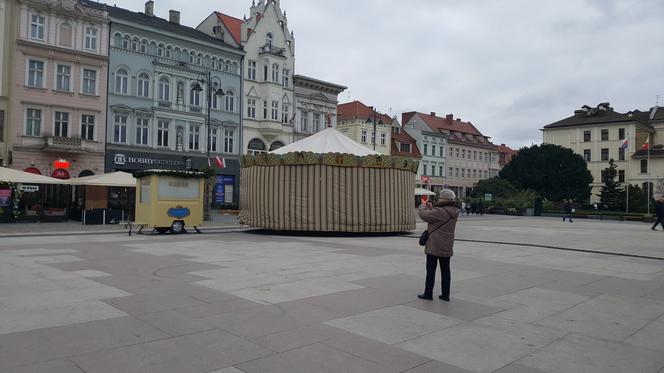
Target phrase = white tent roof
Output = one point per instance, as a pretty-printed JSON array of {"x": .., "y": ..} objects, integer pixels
[
  {"x": 328, "y": 140},
  {"x": 423, "y": 192},
  {"x": 116, "y": 179},
  {"x": 15, "y": 176}
]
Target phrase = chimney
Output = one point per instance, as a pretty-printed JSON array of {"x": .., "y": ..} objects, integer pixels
[
  {"x": 174, "y": 17},
  {"x": 433, "y": 113},
  {"x": 449, "y": 116},
  {"x": 149, "y": 8}
]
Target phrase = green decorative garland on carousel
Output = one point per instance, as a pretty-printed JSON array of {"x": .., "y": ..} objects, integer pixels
[
  {"x": 330, "y": 159},
  {"x": 16, "y": 198}
]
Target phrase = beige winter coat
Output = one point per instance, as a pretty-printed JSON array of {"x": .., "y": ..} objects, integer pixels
[{"x": 443, "y": 217}]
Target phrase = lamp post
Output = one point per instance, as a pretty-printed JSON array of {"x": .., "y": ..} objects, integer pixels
[
  {"x": 375, "y": 135},
  {"x": 210, "y": 82}
]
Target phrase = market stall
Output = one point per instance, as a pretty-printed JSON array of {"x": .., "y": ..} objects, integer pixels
[
  {"x": 327, "y": 182},
  {"x": 25, "y": 196},
  {"x": 105, "y": 198}
]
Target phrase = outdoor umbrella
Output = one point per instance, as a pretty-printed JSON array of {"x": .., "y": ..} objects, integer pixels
[
  {"x": 9, "y": 175},
  {"x": 113, "y": 179},
  {"x": 423, "y": 192}
]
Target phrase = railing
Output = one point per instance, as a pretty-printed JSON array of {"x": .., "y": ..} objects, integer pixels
[
  {"x": 195, "y": 109},
  {"x": 164, "y": 104},
  {"x": 270, "y": 49},
  {"x": 66, "y": 143}
]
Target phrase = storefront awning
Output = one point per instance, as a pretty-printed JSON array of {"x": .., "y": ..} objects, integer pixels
[
  {"x": 113, "y": 179},
  {"x": 9, "y": 175},
  {"x": 423, "y": 192}
]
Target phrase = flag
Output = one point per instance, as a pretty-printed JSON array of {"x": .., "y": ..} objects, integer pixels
[
  {"x": 220, "y": 162},
  {"x": 646, "y": 145},
  {"x": 624, "y": 144},
  {"x": 209, "y": 164}
]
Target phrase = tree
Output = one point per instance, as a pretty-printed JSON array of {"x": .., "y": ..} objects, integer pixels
[
  {"x": 611, "y": 195},
  {"x": 556, "y": 173},
  {"x": 499, "y": 188}
]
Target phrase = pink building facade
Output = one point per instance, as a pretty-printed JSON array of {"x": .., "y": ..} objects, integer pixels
[{"x": 57, "y": 108}]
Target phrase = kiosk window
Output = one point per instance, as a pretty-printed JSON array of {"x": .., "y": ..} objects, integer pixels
[
  {"x": 171, "y": 188},
  {"x": 145, "y": 190}
]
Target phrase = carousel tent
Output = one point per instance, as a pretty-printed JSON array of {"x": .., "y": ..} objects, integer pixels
[
  {"x": 328, "y": 140},
  {"x": 327, "y": 182},
  {"x": 113, "y": 179},
  {"x": 8, "y": 175}
]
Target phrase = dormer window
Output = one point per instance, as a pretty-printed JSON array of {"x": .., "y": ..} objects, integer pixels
[{"x": 268, "y": 41}]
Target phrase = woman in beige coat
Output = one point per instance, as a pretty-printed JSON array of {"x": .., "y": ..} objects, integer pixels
[{"x": 442, "y": 218}]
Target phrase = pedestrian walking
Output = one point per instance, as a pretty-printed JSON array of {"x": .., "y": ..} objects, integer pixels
[
  {"x": 463, "y": 208},
  {"x": 480, "y": 207},
  {"x": 568, "y": 210},
  {"x": 659, "y": 213},
  {"x": 468, "y": 207},
  {"x": 441, "y": 218}
]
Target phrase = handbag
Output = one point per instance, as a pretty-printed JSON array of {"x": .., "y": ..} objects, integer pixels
[{"x": 424, "y": 237}]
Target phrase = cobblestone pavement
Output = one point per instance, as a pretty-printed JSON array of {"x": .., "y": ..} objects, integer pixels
[{"x": 258, "y": 302}]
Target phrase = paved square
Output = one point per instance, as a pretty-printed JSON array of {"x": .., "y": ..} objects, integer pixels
[{"x": 524, "y": 299}]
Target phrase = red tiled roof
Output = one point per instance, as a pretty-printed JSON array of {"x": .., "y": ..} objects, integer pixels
[
  {"x": 356, "y": 109},
  {"x": 405, "y": 138},
  {"x": 234, "y": 26},
  {"x": 445, "y": 124},
  {"x": 506, "y": 149}
]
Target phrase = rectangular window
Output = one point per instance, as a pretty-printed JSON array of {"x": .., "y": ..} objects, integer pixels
[
  {"x": 286, "y": 78},
  {"x": 433, "y": 170},
  {"x": 316, "y": 122},
  {"x": 63, "y": 78},
  {"x": 91, "y": 38},
  {"x": 142, "y": 130},
  {"x": 275, "y": 110},
  {"x": 373, "y": 137},
  {"x": 214, "y": 134},
  {"x": 404, "y": 148},
  {"x": 451, "y": 155},
  {"x": 251, "y": 70},
  {"x": 37, "y": 27},
  {"x": 426, "y": 149},
  {"x": 264, "y": 109},
  {"x": 463, "y": 172},
  {"x": 433, "y": 150},
  {"x": 441, "y": 151},
  {"x": 33, "y": 122},
  {"x": 621, "y": 133},
  {"x": 486, "y": 157},
  {"x": 229, "y": 136},
  {"x": 383, "y": 138},
  {"x": 475, "y": 155},
  {"x": 586, "y": 136},
  {"x": 621, "y": 154},
  {"x": 88, "y": 127},
  {"x": 425, "y": 170},
  {"x": 194, "y": 137},
  {"x": 451, "y": 172},
  {"x": 35, "y": 73},
  {"x": 61, "y": 124},
  {"x": 474, "y": 174},
  {"x": 89, "y": 82},
  {"x": 285, "y": 113},
  {"x": 605, "y": 154},
  {"x": 605, "y": 135},
  {"x": 457, "y": 152},
  {"x": 463, "y": 154},
  {"x": 304, "y": 121},
  {"x": 162, "y": 133},
  {"x": 644, "y": 166},
  {"x": 364, "y": 136},
  {"x": 120, "y": 128},
  {"x": 621, "y": 176},
  {"x": 251, "y": 108},
  {"x": 456, "y": 172},
  {"x": 587, "y": 155}
]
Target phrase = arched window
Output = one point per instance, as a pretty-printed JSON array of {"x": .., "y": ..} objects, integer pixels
[
  {"x": 160, "y": 50},
  {"x": 230, "y": 101},
  {"x": 134, "y": 44},
  {"x": 177, "y": 55},
  {"x": 220, "y": 64},
  {"x": 192, "y": 56},
  {"x": 143, "y": 85},
  {"x": 144, "y": 46},
  {"x": 199, "y": 59},
  {"x": 214, "y": 62},
  {"x": 234, "y": 69},
  {"x": 125, "y": 42},
  {"x": 117, "y": 40},
  {"x": 194, "y": 96},
  {"x": 276, "y": 145},
  {"x": 256, "y": 146},
  {"x": 122, "y": 81},
  {"x": 227, "y": 66},
  {"x": 169, "y": 52},
  {"x": 268, "y": 41},
  {"x": 275, "y": 73},
  {"x": 164, "y": 89},
  {"x": 153, "y": 48}
]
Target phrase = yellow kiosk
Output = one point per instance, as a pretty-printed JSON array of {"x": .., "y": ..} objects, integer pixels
[{"x": 169, "y": 200}]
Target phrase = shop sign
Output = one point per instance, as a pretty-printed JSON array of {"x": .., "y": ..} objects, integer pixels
[
  {"x": 488, "y": 197},
  {"x": 223, "y": 191},
  {"x": 127, "y": 160},
  {"x": 29, "y": 188},
  {"x": 5, "y": 197},
  {"x": 61, "y": 163},
  {"x": 33, "y": 170},
  {"x": 60, "y": 174}
]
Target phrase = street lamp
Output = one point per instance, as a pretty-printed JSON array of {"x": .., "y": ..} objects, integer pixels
[
  {"x": 210, "y": 83},
  {"x": 375, "y": 135}
]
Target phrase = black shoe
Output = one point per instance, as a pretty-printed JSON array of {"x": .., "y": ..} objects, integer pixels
[
  {"x": 571, "y": 221},
  {"x": 443, "y": 298},
  {"x": 425, "y": 297},
  {"x": 653, "y": 229}
]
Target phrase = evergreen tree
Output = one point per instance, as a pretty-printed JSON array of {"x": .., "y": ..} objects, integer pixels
[{"x": 611, "y": 195}]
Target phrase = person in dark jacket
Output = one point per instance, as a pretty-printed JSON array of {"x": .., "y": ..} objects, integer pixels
[
  {"x": 480, "y": 207},
  {"x": 568, "y": 210},
  {"x": 659, "y": 212},
  {"x": 442, "y": 218}
]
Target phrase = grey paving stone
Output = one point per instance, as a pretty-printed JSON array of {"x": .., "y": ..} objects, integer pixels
[
  {"x": 394, "y": 283},
  {"x": 497, "y": 285},
  {"x": 392, "y": 358},
  {"x": 437, "y": 367},
  {"x": 147, "y": 303},
  {"x": 457, "y": 308},
  {"x": 317, "y": 358},
  {"x": 175, "y": 324},
  {"x": 298, "y": 337},
  {"x": 650, "y": 336},
  {"x": 361, "y": 300},
  {"x": 595, "y": 324},
  {"x": 228, "y": 305},
  {"x": 576, "y": 353},
  {"x": 570, "y": 281},
  {"x": 228, "y": 370},
  {"x": 195, "y": 353},
  {"x": 647, "y": 309},
  {"x": 544, "y": 298},
  {"x": 619, "y": 286},
  {"x": 518, "y": 368},
  {"x": 46, "y": 344},
  {"x": 53, "y": 366}
]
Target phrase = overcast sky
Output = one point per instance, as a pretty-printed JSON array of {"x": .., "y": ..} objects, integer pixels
[{"x": 508, "y": 66}]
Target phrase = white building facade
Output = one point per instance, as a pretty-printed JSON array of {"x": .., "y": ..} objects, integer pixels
[{"x": 315, "y": 105}]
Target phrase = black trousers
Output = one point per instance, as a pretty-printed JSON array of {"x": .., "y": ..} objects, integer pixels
[
  {"x": 660, "y": 220},
  {"x": 446, "y": 277}
]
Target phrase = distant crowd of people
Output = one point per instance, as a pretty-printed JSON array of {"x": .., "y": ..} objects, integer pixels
[{"x": 472, "y": 207}]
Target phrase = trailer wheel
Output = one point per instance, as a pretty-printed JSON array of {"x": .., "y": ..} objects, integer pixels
[
  {"x": 177, "y": 227},
  {"x": 161, "y": 230}
]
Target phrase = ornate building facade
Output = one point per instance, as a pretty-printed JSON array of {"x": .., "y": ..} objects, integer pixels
[{"x": 315, "y": 105}]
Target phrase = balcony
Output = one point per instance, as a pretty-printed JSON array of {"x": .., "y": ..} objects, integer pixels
[
  {"x": 271, "y": 49},
  {"x": 63, "y": 144}
]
